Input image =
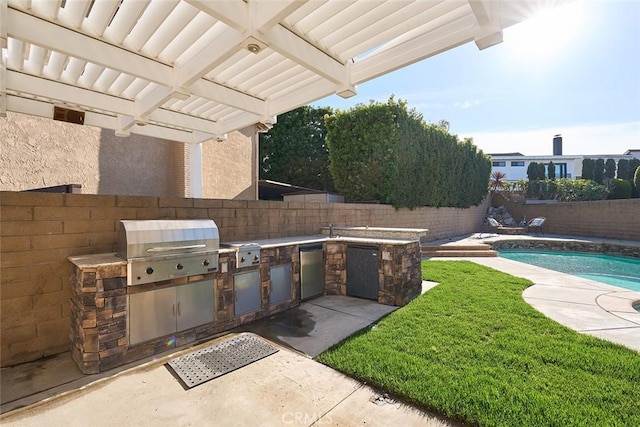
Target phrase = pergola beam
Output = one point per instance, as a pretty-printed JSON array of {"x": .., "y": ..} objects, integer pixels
[
  {"x": 45, "y": 109},
  {"x": 453, "y": 33},
  {"x": 63, "y": 93},
  {"x": 490, "y": 31},
  {"x": 254, "y": 20},
  {"x": 3, "y": 62}
]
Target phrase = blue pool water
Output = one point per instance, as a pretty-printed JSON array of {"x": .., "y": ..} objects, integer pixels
[{"x": 612, "y": 270}]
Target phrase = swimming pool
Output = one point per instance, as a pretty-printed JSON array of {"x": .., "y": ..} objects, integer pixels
[{"x": 609, "y": 269}]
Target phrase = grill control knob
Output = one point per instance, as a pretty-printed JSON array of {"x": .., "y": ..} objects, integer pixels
[
  {"x": 180, "y": 266},
  {"x": 206, "y": 262},
  {"x": 242, "y": 259},
  {"x": 149, "y": 270},
  {"x": 255, "y": 257}
]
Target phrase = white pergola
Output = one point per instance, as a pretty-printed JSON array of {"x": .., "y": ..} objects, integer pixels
[{"x": 193, "y": 70}]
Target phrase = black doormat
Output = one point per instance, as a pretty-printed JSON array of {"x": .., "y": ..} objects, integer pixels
[{"x": 212, "y": 362}]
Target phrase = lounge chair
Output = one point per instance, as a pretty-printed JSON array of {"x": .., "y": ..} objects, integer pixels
[
  {"x": 491, "y": 223},
  {"x": 536, "y": 224}
]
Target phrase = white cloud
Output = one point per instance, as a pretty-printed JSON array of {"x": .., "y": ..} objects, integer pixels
[
  {"x": 614, "y": 138},
  {"x": 466, "y": 104}
]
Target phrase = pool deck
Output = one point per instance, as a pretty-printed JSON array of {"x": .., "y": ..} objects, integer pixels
[{"x": 583, "y": 305}]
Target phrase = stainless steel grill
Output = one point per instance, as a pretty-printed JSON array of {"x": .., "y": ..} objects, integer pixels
[{"x": 158, "y": 250}]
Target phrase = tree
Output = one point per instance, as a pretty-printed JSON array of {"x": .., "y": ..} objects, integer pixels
[
  {"x": 536, "y": 171},
  {"x": 588, "y": 168},
  {"x": 295, "y": 151},
  {"x": 624, "y": 169},
  {"x": 531, "y": 171},
  {"x": 598, "y": 172},
  {"x": 541, "y": 170},
  {"x": 497, "y": 180},
  {"x": 610, "y": 169},
  {"x": 551, "y": 171}
]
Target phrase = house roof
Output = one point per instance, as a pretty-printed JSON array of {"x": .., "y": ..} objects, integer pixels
[
  {"x": 505, "y": 154},
  {"x": 192, "y": 70}
]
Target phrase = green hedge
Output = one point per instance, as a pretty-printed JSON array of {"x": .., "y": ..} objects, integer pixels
[
  {"x": 620, "y": 189},
  {"x": 386, "y": 153}
]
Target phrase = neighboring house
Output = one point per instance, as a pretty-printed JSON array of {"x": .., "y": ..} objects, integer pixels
[{"x": 515, "y": 165}]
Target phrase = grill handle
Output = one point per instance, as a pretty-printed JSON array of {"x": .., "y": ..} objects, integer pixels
[{"x": 176, "y": 248}]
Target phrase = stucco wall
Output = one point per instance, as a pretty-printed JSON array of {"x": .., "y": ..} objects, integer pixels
[
  {"x": 227, "y": 171},
  {"x": 137, "y": 165},
  {"x": 37, "y": 152}
]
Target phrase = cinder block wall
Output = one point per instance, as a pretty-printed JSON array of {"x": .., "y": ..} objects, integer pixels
[
  {"x": 613, "y": 219},
  {"x": 38, "y": 231}
]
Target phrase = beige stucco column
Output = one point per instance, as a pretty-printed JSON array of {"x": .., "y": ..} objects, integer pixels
[{"x": 194, "y": 170}]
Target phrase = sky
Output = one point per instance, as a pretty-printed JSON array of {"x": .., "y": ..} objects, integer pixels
[{"x": 573, "y": 70}]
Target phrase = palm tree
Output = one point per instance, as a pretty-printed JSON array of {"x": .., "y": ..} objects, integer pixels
[{"x": 497, "y": 180}]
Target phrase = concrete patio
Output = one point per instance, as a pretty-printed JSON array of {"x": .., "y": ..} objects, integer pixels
[{"x": 286, "y": 388}]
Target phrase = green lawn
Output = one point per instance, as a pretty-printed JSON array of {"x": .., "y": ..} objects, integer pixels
[{"x": 473, "y": 350}]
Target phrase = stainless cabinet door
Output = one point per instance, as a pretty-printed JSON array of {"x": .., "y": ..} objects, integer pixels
[
  {"x": 280, "y": 284},
  {"x": 311, "y": 273},
  {"x": 151, "y": 315},
  {"x": 246, "y": 287},
  {"x": 196, "y": 304}
]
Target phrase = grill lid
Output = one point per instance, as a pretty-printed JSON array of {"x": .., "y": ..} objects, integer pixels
[{"x": 152, "y": 238}]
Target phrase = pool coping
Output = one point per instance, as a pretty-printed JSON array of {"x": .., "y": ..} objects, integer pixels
[
  {"x": 629, "y": 298},
  {"x": 584, "y": 305},
  {"x": 626, "y": 249}
]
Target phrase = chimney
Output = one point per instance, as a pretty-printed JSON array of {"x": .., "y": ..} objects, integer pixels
[{"x": 557, "y": 145}]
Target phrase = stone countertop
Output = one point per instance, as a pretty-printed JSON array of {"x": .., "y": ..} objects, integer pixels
[
  {"x": 93, "y": 261},
  {"x": 375, "y": 233},
  {"x": 318, "y": 238}
]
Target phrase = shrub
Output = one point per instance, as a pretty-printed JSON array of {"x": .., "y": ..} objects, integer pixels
[
  {"x": 573, "y": 190},
  {"x": 620, "y": 189},
  {"x": 543, "y": 189}
]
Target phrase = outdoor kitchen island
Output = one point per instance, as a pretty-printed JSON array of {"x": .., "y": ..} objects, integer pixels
[{"x": 101, "y": 298}]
